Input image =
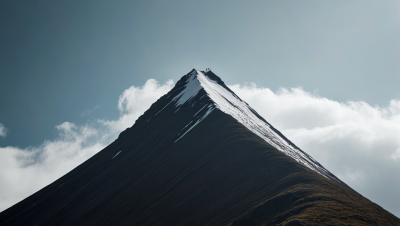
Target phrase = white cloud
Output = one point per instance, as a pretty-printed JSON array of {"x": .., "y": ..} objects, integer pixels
[
  {"x": 134, "y": 101},
  {"x": 25, "y": 171},
  {"x": 3, "y": 130},
  {"x": 357, "y": 142}
]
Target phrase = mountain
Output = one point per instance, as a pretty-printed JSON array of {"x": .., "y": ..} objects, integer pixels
[{"x": 199, "y": 156}]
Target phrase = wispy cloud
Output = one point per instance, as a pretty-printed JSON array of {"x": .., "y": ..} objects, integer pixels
[{"x": 3, "y": 130}]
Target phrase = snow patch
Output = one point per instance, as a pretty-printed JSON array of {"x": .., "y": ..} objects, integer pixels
[{"x": 191, "y": 89}]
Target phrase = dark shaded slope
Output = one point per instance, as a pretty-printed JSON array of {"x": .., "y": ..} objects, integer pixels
[
  {"x": 289, "y": 148},
  {"x": 219, "y": 173}
]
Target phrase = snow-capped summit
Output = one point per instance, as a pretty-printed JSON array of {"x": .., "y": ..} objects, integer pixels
[{"x": 224, "y": 99}]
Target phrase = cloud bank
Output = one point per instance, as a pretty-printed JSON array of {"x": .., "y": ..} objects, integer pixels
[{"x": 357, "y": 142}]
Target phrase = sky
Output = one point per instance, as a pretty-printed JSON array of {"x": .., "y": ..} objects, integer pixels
[{"x": 74, "y": 74}]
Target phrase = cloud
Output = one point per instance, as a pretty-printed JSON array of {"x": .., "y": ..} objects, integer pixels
[
  {"x": 25, "y": 171},
  {"x": 3, "y": 130},
  {"x": 357, "y": 142},
  {"x": 134, "y": 101}
]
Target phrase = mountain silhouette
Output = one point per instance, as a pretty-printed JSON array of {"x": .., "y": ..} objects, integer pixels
[{"x": 199, "y": 156}]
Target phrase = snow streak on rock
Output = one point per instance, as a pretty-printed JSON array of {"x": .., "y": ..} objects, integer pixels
[
  {"x": 209, "y": 110},
  {"x": 116, "y": 155}
]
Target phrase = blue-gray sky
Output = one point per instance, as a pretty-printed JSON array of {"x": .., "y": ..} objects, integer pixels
[
  {"x": 61, "y": 58},
  {"x": 69, "y": 61}
]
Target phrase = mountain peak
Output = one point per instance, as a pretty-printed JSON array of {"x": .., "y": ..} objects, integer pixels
[
  {"x": 197, "y": 80},
  {"x": 198, "y": 156},
  {"x": 208, "y": 90}
]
